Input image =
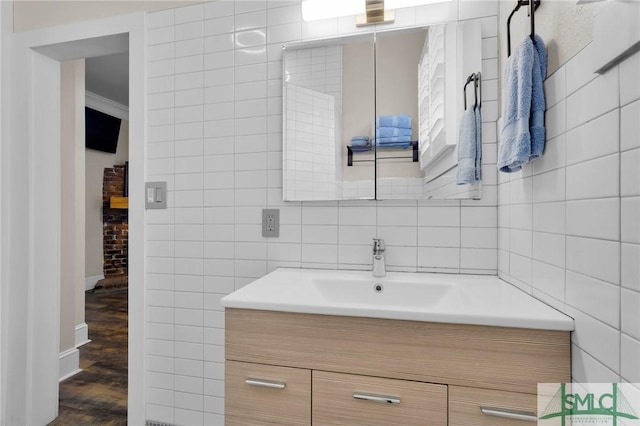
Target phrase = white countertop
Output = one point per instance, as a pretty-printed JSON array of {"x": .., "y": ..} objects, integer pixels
[{"x": 444, "y": 298}]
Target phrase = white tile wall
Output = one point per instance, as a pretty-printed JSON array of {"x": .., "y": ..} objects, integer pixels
[
  {"x": 311, "y": 120},
  {"x": 585, "y": 215},
  {"x": 215, "y": 135}
]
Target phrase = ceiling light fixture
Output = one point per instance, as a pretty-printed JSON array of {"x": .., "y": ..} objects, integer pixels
[
  {"x": 313, "y": 10},
  {"x": 376, "y": 13},
  {"x": 368, "y": 12}
]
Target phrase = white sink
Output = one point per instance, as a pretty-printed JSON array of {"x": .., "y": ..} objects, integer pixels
[
  {"x": 449, "y": 298},
  {"x": 392, "y": 291}
]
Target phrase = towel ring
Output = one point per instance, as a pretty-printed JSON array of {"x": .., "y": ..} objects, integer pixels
[
  {"x": 519, "y": 3},
  {"x": 477, "y": 89}
]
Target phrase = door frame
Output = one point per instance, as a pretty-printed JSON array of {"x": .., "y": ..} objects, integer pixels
[{"x": 30, "y": 217}]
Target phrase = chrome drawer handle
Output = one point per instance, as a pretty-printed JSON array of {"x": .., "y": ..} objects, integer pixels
[
  {"x": 265, "y": 383},
  {"x": 509, "y": 414},
  {"x": 377, "y": 398}
]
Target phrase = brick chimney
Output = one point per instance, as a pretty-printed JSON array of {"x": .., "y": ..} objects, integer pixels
[{"x": 115, "y": 224}]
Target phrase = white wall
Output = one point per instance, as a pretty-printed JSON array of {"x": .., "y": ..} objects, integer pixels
[
  {"x": 358, "y": 112},
  {"x": 314, "y": 122},
  {"x": 31, "y": 216},
  {"x": 568, "y": 223},
  {"x": 565, "y": 27},
  {"x": 32, "y": 15},
  {"x": 222, "y": 160},
  {"x": 72, "y": 182},
  {"x": 311, "y": 157},
  {"x": 96, "y": 162},
  {"x": 31, "y": 240}
]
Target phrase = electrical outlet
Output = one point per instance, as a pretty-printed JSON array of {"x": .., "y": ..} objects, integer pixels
[{"x": 270, "y": 222}]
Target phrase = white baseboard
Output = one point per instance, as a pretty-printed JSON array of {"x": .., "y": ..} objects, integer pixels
[
  {"x": 90, "y": 282},
  {"x": 69, "y": 364},
  {"x": 82, "y": 334}
]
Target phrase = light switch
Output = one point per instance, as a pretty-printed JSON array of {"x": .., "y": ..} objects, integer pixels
[{"x": 156, "y": 195}]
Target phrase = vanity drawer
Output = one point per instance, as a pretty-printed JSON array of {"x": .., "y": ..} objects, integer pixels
[
  {"x": 501, "y": 408},
  {"x": 350, "y": 400},
  {"x": 257, "y": 394}
]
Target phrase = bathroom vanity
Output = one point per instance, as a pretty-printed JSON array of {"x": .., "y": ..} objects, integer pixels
[{"x": 330, "y": 347}]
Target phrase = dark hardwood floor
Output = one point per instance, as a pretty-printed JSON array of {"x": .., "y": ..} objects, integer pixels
[{"x": 98, "y": 394}]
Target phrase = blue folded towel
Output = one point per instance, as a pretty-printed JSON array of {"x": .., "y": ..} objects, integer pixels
[
  {"x": 402, "y": 121},
  {"x": 394, "y": 139},
  {"x": 395, "y": 145},
  {"x": 467, "y": 148},
  {"x": 364, "y": 148},
  {"x": 523, "y": 132},
  {"x": 404, "y": 144},
  {"x": 389, "y": 132},
  {"x": 360, "y": 141}
]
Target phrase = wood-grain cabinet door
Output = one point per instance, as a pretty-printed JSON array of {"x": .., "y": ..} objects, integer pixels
[
  {"x": 261, "y": 395},
  {"x": 485, "y": 407},
  {"x": 351, "y": 400}
]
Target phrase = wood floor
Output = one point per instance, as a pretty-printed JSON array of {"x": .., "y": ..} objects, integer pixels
[{"x": 98, "y": 394}]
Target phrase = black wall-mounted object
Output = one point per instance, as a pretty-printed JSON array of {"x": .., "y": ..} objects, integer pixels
[
  {"x": 519, "y": 3},
  {"x": 477, "y": 89},
  {"x": 413, "y": 157},
  {"x": 101, "y": 131}
]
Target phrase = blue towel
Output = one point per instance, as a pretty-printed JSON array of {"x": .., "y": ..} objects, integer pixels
[
  {"x": 389, "y": 132},
  {"x": 523, "y": 130},
  {"x": 394, "y": 139},
  {"x": 360, "y": 141},
  {"x": 538, "y": 104},
  {"x": 361, "y": 148},
  {"x": 478, "y": 115},
  {"x": 402, "y": 121},
  {"x": 395, "y": 145},
  {"x": 467, "y": 148}
]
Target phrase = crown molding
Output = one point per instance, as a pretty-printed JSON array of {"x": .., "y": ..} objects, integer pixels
[{"x": 107, "y": 106}]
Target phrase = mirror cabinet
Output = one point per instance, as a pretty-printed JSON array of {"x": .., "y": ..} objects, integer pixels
[{"x": 376, "y": 116}]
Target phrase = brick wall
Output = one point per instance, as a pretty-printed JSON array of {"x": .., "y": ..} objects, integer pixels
[{"x": 115, "y": 224}]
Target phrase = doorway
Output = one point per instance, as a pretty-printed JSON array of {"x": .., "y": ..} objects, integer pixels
[
  {"x": 31, "y": 211},
  {"x": 94, "y": 237}
]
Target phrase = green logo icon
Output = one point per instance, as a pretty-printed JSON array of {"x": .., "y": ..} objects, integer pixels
[{"x": 606, "y": 404}]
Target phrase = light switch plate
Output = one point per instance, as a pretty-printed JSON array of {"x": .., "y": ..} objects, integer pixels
[{"x": 155, "y": 195}]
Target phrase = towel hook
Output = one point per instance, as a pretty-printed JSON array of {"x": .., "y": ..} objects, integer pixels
[
  {"x": 531, "y": 8},
  {"x": 479, "y": 87},
  {"x": 464, "y": 90},
  {"x": 475, "y": 77}
]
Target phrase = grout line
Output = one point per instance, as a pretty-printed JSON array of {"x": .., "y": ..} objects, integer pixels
[
  {"x": 459, "y": 236},
  {"x": 202, "y": 247},
  {"x": 620, "y": 225}
]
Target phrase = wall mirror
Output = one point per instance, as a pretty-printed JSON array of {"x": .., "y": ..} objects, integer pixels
[
  {"x": 375, "y": 116},
  {"x": 328, "y": 93}
]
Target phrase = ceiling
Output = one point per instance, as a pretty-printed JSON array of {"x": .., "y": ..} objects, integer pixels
[
  {"x": 106, "y": 64},
  {"x": 108, "y": 76}
]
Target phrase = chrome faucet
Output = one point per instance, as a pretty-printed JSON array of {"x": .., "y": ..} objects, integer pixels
[{"x": 379, "y": 268}]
